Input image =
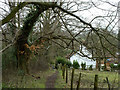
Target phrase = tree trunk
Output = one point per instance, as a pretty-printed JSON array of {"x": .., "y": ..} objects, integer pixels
[
  {"x": 99, "y": 64},
  {"x": 23, "y": 51},
  {"x": 105, "y": 67}
]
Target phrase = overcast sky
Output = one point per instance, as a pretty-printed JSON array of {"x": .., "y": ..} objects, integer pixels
[{"x": 87, "y": 15}]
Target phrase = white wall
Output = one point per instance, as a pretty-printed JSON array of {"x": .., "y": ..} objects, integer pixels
[{"x": 81, "y": 59}]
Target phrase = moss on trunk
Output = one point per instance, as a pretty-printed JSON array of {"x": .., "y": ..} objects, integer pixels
[{"x": 23, "y": 52}]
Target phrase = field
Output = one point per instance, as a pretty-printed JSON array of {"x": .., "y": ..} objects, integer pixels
[{"x": 87, "y": 79}]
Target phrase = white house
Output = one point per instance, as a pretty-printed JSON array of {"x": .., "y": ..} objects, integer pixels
[{"x": 81, "y": 59}]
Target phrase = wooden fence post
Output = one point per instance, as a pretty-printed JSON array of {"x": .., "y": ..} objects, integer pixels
[
  {"x": 63, "y": 73},
  {"x": 96, "y": 82},
  {"x": 72, "y": 77},
  {"x": 60, "y": 66},
  {"x": 66, "y": 74},
  {"x": 78, "y": 85},
  {"x": 108, "y": 83},
  {"x": 62, "y": 70}
]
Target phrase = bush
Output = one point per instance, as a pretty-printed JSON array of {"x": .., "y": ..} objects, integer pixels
[
  {"x": 9, "y": 62},
  {"x": 115, "y": 67},
  {"x": 76, "y": 64},
  {"x": 118, "y": 66},
  {"x": 90, "y": 68},
  {"x": 112, "y": 66},
  {"x": 69, "y": 64},
  {"x": 51, "y": 62},
  {"x": 60, "y": 60},
  {"x": 83, "y": 65},
  {"x": 56, "y": 66}
]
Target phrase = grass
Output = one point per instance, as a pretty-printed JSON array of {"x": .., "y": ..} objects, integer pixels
[
  {"x": 60, "y": 82},
  {"x": 87, "y": 79},
  {"x": 28, "y": 81}
]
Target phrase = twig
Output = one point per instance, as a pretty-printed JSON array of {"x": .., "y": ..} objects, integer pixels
[{"x": 108, "y": 83}]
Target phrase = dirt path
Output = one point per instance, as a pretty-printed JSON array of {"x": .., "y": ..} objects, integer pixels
[{"x": 51, "y": 80}]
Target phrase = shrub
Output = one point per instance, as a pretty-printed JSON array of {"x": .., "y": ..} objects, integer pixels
[
  {"x": 60, "y": 60},
  {"x": 69, "y": 64},
  {"x": 115, "y": 66},
  {"x": 9, "y": 62},
  {"x": 51, "y": 62},
  {"x": 83, "y": 65},
  {"x": 118, "y": 66},
  {"x": 90, "y": 68},
  {"x": 112, "y": 66},
  {"x": 76, "y": 64},
  {"x": 56, "y": 66}
]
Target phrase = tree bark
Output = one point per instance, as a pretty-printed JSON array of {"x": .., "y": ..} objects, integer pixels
[
  {"x": 13, "y": 12},
  {"x": 99, "y": 64},
  {"x": 23, "y": 52},
  {"x": 105, "y": 67}
]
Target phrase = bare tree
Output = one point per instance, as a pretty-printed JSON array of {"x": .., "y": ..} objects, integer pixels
[{"x": 71, "y": 24}]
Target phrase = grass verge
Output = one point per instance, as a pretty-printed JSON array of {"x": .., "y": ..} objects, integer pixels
[{"x": 28, "y": 81}]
